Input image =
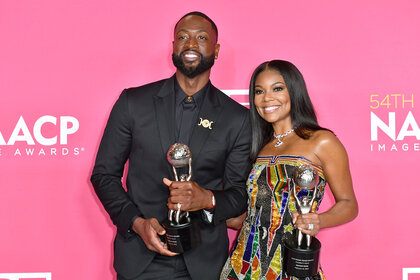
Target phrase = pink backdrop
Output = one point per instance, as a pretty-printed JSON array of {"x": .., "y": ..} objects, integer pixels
[{"x": 64, "y": 63}]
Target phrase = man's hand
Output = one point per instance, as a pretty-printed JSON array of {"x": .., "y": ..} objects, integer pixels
[
  {"x": 148, "y": 229},
  {"x": 189, "y": 194}
]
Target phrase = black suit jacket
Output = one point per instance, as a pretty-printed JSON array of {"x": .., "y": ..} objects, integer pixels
[{"x": 140, "y": 129}]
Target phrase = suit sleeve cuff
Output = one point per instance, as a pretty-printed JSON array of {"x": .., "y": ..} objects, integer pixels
[{"x": 128, "y": 215}]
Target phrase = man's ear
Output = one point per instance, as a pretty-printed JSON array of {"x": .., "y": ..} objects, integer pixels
[{"x": 216, "y": 51}]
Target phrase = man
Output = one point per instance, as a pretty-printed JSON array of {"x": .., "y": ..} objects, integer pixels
[{"x": 143, "y": 124}]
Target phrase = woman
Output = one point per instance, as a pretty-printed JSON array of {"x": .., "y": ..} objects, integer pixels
[{"x": 285, "y": 135}]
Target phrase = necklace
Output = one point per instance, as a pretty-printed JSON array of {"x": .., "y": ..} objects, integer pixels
[{"x": 279, "y": 137}]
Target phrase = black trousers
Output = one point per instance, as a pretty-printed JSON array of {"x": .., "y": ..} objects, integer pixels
[{"x": 164, "y": 268}]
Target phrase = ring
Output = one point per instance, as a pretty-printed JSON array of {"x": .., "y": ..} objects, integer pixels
[
  {"x": 310, "y": 226},
  {"x": 178, "y": 205}
]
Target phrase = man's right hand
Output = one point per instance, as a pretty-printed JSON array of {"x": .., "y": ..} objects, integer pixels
[{"x": 148, "y": 230}]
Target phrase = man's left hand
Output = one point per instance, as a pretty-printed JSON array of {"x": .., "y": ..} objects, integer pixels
[{"x": 188, "y": 194}]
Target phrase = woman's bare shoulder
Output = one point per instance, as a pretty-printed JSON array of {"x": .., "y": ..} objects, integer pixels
[{"x": 327, "y": 145}]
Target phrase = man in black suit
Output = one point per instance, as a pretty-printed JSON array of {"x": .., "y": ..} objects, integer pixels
[{"x": 143, "y": 124}]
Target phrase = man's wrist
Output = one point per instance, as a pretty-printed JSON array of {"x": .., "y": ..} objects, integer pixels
[
  {"x": 132, "y": 223},
  {"x": 213, "y": 201}
]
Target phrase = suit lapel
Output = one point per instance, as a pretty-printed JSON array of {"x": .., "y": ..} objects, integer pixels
[
  {"x": 164, "y": 102},
  {"x": 210, "y": 111}
]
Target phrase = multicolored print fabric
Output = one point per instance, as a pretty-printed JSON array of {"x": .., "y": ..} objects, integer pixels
[{"x": 257, "y": 253}]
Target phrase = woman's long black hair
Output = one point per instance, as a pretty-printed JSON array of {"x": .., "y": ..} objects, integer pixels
[{"x": 302, "y": 111}]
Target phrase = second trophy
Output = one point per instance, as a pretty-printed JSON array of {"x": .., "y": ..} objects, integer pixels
[
  {"x": 301, "y": 252},
  {"x": 182, "y": 230}
]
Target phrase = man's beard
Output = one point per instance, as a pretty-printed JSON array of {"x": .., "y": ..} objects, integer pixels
[{"x": 206, "y": 62}]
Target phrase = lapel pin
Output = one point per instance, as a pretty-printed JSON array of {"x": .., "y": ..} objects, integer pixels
[{"x": 205, "y": 123}]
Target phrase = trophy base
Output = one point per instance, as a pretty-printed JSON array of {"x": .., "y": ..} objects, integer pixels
[
  {"x": 183, "y": 237},
  {"x": 301, "y": 262}
]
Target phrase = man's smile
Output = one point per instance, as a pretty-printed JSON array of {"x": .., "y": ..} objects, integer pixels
[{"x": 191, "y": 56}]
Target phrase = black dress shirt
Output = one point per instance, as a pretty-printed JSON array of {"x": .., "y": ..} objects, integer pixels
[{"x": 180, "y": 97}]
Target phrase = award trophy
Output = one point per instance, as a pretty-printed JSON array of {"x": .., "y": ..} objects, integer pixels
[
  {"x": 301, "y": 252},
  {"x": 182, "y": 231}
]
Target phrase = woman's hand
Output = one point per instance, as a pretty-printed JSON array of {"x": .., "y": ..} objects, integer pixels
[
  {"x": 236, "y": 222},
  {"x": 303, "y": 222}
]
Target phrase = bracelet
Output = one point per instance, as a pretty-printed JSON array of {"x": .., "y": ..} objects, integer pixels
[{"x": 213, "y": 201}]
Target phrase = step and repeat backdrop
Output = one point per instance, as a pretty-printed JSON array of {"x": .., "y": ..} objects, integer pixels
[{"x": 64, "y": 63}]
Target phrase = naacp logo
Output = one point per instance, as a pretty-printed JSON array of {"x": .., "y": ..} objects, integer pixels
[
  {"x": 48, "y": 136},
  {"x": 393, "y": 124}
]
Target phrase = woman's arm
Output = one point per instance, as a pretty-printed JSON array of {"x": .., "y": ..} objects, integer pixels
[
  {"x": 334, "y": 160},
  {"x": 236, "y": 222}
]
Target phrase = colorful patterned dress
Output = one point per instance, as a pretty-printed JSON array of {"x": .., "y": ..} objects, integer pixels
[{"x": 257, "y": 253}]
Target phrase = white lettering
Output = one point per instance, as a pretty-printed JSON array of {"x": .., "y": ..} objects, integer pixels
[
  {"x": 376, "y": 123},
  {"x": 65, "y": 130},
  {"x": 389, "y": 128},
  {"x": 415, "y": 147},
  {"x": 2, "y": 142},
  {"x": 17, "y": 152},
  {"x": 410, "y": 270},
  {"x": 21, "y": 126},
  {"x": 409, "y": 121},
  {"x": 21, "y": 276},
  {"x": 37, "y": 130},
  {"x": 68, "y": 125},
  {"x": 44, "y": 152}
]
